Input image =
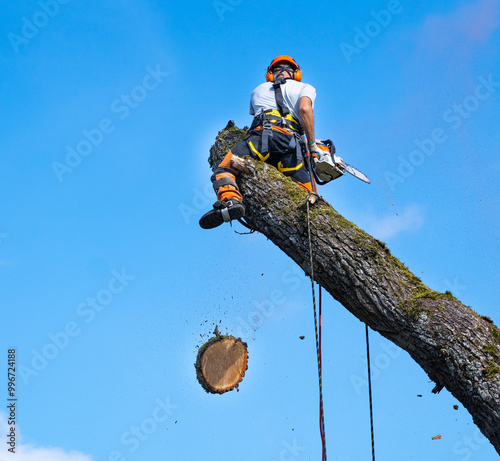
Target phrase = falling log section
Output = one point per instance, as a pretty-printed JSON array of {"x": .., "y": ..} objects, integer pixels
[
  {"x": 221, "y": 364},
  {"x": 458, "y": 348}
]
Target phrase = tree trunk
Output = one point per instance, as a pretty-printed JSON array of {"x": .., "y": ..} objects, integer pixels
[{"x": 457, "y": 348}]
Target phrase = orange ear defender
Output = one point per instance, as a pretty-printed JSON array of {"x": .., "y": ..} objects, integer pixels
[{"x": 297, "y": 73}]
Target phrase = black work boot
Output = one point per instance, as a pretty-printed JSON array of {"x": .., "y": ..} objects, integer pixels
[{"x": 224, "y": 211}]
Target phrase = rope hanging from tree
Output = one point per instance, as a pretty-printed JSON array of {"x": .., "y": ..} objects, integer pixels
[
  {"x": 370, "y": 391},
  {"x": 317, "y": 328}
]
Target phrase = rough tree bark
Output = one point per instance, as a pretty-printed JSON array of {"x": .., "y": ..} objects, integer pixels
[{"x": 457, "y": 348}]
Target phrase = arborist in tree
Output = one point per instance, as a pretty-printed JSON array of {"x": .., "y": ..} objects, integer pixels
[{"x": 283, "y": 113}]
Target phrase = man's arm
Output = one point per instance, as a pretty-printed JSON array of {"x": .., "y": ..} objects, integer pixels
[{"x": 307, "y": 117}]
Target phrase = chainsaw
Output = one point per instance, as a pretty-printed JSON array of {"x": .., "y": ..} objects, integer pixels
[{"x": 330, "y": 166}]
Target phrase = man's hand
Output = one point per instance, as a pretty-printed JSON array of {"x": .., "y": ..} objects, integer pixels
[{"x": 314, "y": 149}]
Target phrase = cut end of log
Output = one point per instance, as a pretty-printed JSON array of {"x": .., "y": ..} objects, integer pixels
[
  {"x": 241, "y": 164},
  {"x": 221, "y": 364},
  {"x": 313, "y": 198}
]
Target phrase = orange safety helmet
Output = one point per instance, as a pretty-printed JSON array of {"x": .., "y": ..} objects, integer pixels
[{"x": 297, "y": 73}]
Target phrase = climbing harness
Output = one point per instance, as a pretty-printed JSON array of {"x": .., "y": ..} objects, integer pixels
[{"x": 271, "y": 121}]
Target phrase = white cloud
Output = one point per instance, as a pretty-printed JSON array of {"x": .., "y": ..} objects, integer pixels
[
  {"x": 410, "y": 219},
  {"x": 470, "y": 23},
  {"x": 30, "y": 453}
]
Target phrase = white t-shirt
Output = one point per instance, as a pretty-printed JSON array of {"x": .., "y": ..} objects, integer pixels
[{"x": 263, "y": 97}]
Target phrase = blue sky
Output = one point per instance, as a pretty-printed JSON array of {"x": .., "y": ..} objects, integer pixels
[{"x": 108, "y": 285}]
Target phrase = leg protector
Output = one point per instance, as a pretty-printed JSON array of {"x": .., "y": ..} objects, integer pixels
[
  {"x": 224, "y": 181},
  {"x": 225, "y": 187},
  {"x": 306, "y": 186}
]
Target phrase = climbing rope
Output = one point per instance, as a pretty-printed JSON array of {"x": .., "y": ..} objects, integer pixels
[
  {"x": 370, "y": 391},
  {"x": 317, "y": 328}
]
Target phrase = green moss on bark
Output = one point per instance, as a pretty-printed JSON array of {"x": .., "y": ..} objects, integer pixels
[
  {"x": 495, "y": 333},
  {"x": 492, "y": 351},
  {"x": 491, "y": 370}
]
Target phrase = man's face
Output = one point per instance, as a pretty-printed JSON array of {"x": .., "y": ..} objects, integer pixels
[{"x": 284, "y": 68}]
